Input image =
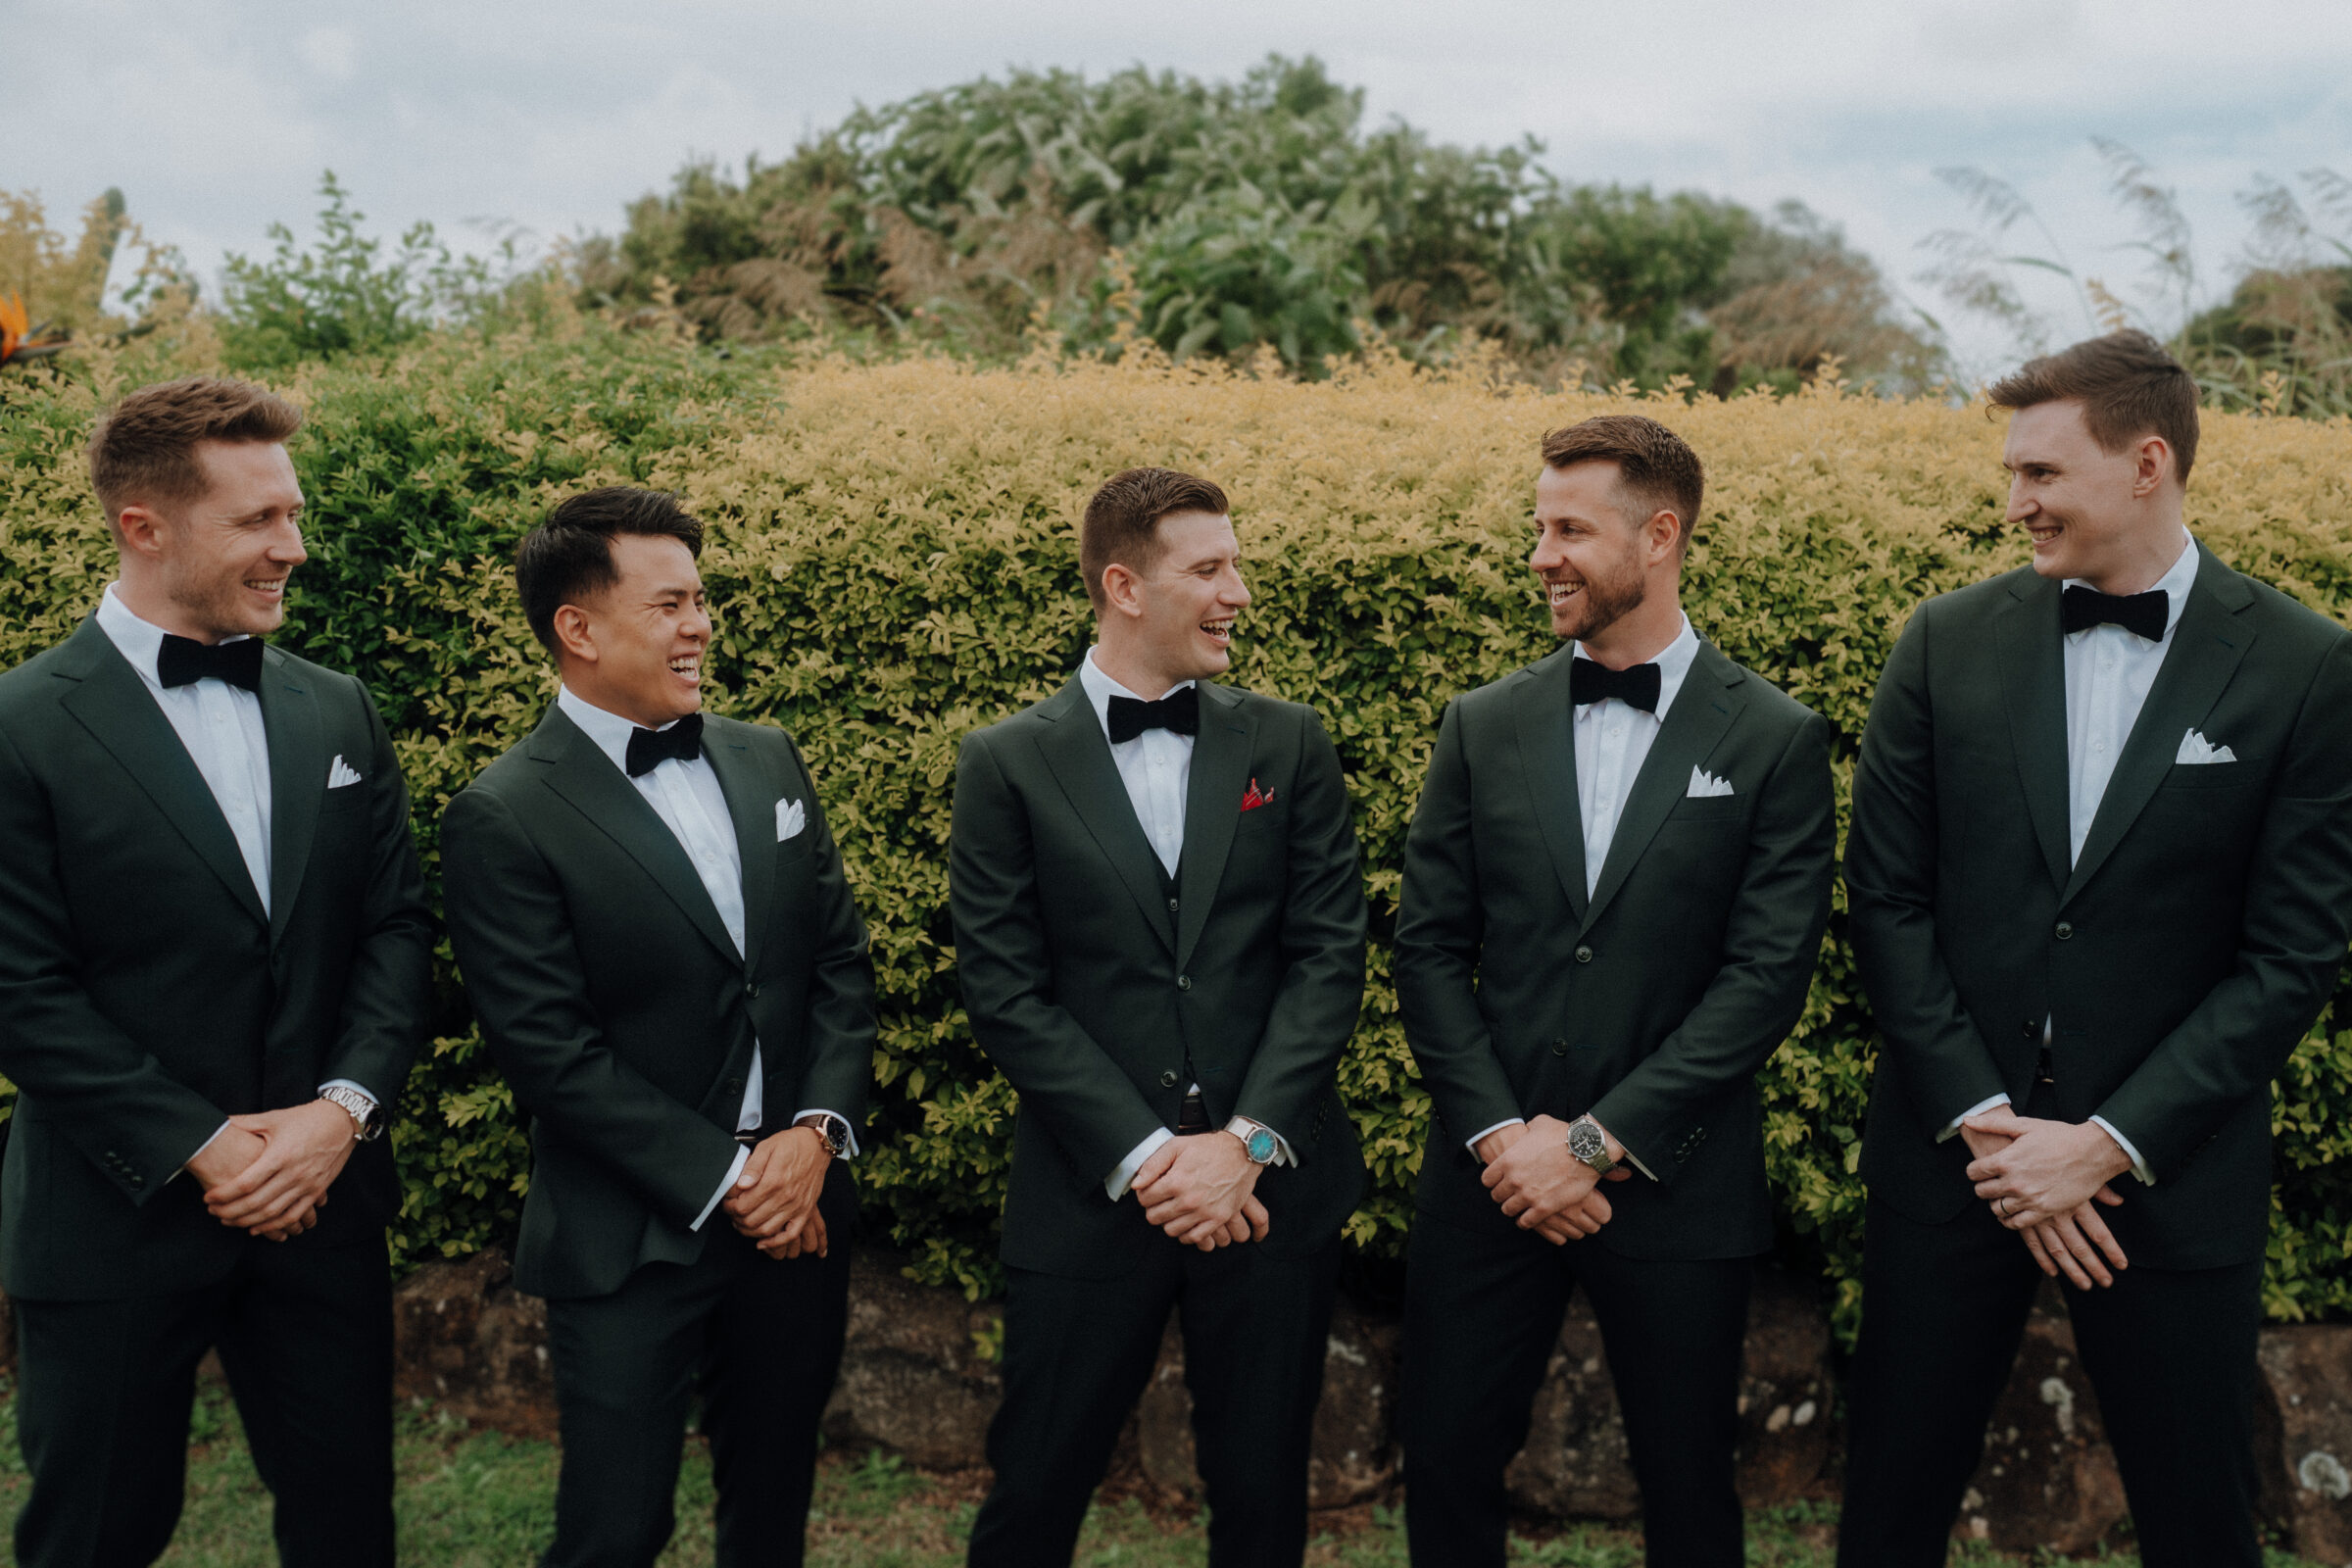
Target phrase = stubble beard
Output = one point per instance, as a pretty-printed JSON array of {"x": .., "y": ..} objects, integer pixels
[{"x": 1604, "y": 603}]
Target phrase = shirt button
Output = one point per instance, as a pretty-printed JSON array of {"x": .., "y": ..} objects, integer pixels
[
  {"x": 1184, "y": 982},
  {"x": 1584, "y": 954},
  {"x": 2066, "y": 931}
]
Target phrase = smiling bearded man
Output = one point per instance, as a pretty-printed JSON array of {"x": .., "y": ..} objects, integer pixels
[
  {"x": 653, "y": 928},
  {"x": 1160, "y": 935}
]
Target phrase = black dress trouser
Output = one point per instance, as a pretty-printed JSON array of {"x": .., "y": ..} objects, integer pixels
[
  {"x": 104, "y": 1391},
  {"x": 1481, "y": 1314},
  {"x": 1077, "y": 1355},
  {"x": 759, "y": 1339},
  {"x": 2169, "y": 1353}
]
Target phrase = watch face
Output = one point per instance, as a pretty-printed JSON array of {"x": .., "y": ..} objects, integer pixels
[
  {"x": 1263, "y": 1147},
  {"x": 1585, "y": 1140}
]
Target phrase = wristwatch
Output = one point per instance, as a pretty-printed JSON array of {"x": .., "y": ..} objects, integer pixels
[
  {"x": 1257, "y": 1139},
  {"x": 1587, "y": 1143},
  {"x": 364, "y": 1112},
  {"x": 831, "y": 1128}
]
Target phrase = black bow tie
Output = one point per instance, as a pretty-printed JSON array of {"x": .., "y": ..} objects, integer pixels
[
  {"x": 184, "y": 660},
  {"x": 2145, "y": 613},
  {"x": 1635, "y": 687},
  {"x": 1177, "y": 712},
  {"x": 648, "y": 749}
]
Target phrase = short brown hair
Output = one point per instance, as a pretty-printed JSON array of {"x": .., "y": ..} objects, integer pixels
[
  {"x": 1654, "y": 466},
  {"x": 2129, "y": 387},
  {"x": 144, "y": 448},
  {"x": 1122, "y": 520},
  {"x": 570, "y": 555}
]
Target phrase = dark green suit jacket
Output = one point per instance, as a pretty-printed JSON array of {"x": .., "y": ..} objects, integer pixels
[
  {"x": 2178, "y": 961},
  {"x": 615, "y": 1002},
  {"x": 1649, "y": 1005},
  {"x": 1088, "y": 983},
  {"x": 145, "y": 996}
]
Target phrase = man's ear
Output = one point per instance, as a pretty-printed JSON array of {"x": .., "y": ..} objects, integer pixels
[
  {"x": 1122, "y": 590},
  {"x": 1662, "y": 536},
  {"x": 2152, "y": 463},
  {"x": 139, "y": 531},
  {"x": 575, "y": 636}
]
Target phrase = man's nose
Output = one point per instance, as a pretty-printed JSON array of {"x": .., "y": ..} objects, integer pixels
[{"x": 2021, "y": 505}]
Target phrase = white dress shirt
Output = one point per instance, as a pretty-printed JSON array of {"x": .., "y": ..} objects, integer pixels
[
  {"x": 1612, "y": 742},
  {"x": 2109, "y": 672},
  {"x": 221, "y": 727},
  {"x": 688, "y": 799},
  {"x": 1157, "y": 766}
]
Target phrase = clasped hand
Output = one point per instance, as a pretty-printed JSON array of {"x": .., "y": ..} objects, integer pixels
[
  {"x": 2045, "y": 1180},
  {"x": 1201, "y": 1190},
  {"x": 267, "y": 1174},
  {"x": 774, "y": 1200},
  {"x": 1541, "y": 1185}
]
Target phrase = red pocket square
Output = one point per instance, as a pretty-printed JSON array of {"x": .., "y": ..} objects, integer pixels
[{"x": 1253, "y": 797}]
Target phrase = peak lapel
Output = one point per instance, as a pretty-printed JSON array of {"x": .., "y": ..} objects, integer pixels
[
  {"x": 1547, "y": 725},
  {"x": 1078, "y": 754},
  {"x": 2033, "y": 692},
  {"x": 1212, "y": 810},
  {"x": 586, "y": 777},
  {"x": 1703, "y": 710},
  {"x": 297, "y": 783},
  {"x": 751, "y": 806},
  {"x": 2207, "y": 645},
  {"x": 110, "y": 701}
]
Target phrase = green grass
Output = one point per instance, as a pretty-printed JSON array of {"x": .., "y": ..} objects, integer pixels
[{"x": 480, "y": 1499}]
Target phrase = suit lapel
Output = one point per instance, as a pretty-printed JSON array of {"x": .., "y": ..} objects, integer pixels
[
  {"x": 1547, "y": 725},
  {"x": 1078, "y": 754},
  {"x": 1212, "y": 809},
  {"x": 297, "y": 783},
  {"x": 110, "y": 701},
  {"x": 585, "y": 776},
  {"x": 2032, "y": 663},
  {"x": 2206, "y": 648},
  {"x": 1702, "y": 711},
  {"x": 751, "y": 806}
]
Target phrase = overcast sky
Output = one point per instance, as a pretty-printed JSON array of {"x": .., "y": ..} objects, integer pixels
[{"x": 215, "y": 116}]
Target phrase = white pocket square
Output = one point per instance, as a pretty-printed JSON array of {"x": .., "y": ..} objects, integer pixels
[
  {"x": 339, "y": 773},
  {"x": 2196, "y": 750},
  {"x": 790, "y": 817},
  {"x": 1704, "y": 783}
]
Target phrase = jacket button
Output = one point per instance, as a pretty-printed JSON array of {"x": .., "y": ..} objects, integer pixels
[
  {"x": 2027, "y": 1029},
  {"x": 137, "y": 1181},
  {"x": 1184, "y": 982},
  {"x": 751, "y": 987},
  {"x": 1172, "y": 905},
  {"x": 1584, "y": 954},
  {"x": 1559, "y": 1048},
  {"x": 2064, "y": 931},
  {"x": 1168, "y": 1080}
]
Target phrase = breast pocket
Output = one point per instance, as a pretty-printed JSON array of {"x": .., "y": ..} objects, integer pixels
[
  {"x": 2211, "y": 775},
  {"x": 1708, "y": 808}
]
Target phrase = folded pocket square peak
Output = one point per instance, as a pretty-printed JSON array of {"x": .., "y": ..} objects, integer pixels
[
  {"x": 2196, "y": 750},
  {"x": 339, "y": 773},
  {"x": 790, "y": 817},
  {"x": 1704, "y": 783},
  {"x": 1252, "y": 798}
]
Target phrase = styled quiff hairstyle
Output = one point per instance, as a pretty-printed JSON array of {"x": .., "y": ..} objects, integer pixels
[
  {"x": 143, "y": 451},
  {"x": 1122, "y": 520},
  {"x": 1655, "y": 467},
  {"x": 568, "y": 557},
  {"x": 2129, "y": 387}
]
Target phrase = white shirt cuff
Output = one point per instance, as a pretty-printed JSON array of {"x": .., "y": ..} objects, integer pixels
[
  {"x": 1508, "y": 1121},
  {"x": 742, "y": 1156},
  {"x": 2139, "y": 1166},
  {"x": 1976, "y": 1109},
  {"x": 199, "y": 1149},
  {"x": 799, "y": 1116},
  {"x": 1115, "y": 1185}
]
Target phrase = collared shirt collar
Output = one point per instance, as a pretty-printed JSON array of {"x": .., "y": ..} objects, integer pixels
[
  {"x": 1674, "y": 664},
  {"x": 608, "y": 729},
  {"x": 2173, "y": 585},
  {"x": 140, "y": 641},
  {"x": 1100, "y": 689}
]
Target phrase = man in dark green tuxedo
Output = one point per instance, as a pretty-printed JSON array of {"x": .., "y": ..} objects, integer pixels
[
  {"x": 215, "y": 970},
  {"x": 1615, "y": 887},
  {"x": 652, "y": 925},
  {"x": 1160, "y": 935},
  {"x": 2100, "y": 876}
]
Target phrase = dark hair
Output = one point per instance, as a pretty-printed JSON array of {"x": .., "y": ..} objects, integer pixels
[
  {"x": 143, "y": 449},
  {"x": 2129, "y": 387},
  {"x": 569, "y": 556},
  {"x": 1654, "y": 466},
  {"x": 1122, "y": 520}
]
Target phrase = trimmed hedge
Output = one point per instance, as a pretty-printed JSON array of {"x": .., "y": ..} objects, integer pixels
[{"x": 891, "y": 562}]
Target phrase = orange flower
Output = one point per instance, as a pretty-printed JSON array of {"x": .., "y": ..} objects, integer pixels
[{"x": 14, "y": 324}]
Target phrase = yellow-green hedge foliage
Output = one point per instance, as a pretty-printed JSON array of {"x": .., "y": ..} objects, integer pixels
[{"x": 892, "y": 564}]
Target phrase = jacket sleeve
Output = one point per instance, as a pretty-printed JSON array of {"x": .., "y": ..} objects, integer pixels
[
  {"x": 523, "y": 973},
  {"x": 1932, "y": 1046},
  {"x": 388, "y": 995},
  {"x": 1067, "y": 1080},
  {"x": 2295, "y": 927},
  {"x": 1770, "y": 944},
  {"x": 109, "y": 1098},
  {"x": 1441, "y": 928},
  {"x": 1322, "y": 986},
  {"x": 840, "y": 989}
]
